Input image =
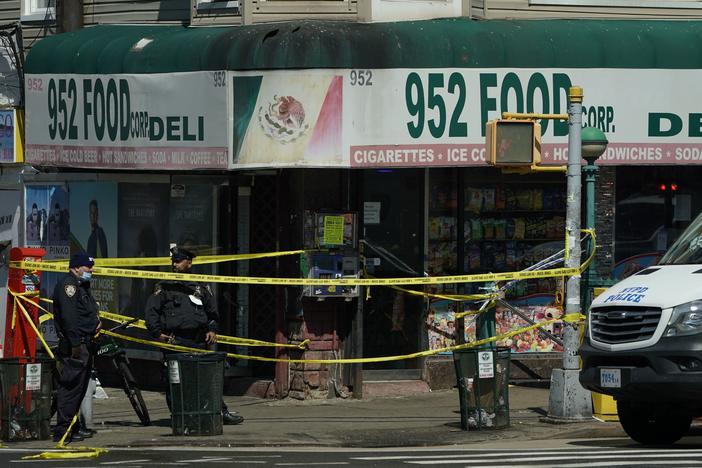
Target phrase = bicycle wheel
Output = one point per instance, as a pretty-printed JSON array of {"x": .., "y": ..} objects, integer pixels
[{"x": 133, "y": 393}]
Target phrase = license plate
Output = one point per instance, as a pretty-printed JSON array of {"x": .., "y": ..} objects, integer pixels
[{"x": 611, "y": 378}]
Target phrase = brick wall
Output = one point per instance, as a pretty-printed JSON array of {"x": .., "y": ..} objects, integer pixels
[{"x": 321, "y": 325}]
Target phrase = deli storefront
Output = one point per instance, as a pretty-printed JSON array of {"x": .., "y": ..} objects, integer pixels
[{"x": 219, "y": 140}]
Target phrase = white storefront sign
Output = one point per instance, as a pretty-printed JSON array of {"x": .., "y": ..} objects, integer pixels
[
  {"x": 155, "y": 121},
  {"x": 437, "y": 117},
  {"x": 350, "y": 118}
]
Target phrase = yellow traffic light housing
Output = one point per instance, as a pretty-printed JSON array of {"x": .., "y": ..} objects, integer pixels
[{"x": 513, "y": 142}]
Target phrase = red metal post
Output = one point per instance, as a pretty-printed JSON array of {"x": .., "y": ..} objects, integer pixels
[{"x": 21, "y": 340}]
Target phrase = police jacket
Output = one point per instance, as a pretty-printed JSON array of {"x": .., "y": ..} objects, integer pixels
[
  {"x": 75, "y": 310},
  {"x": 180, "y": 306}
]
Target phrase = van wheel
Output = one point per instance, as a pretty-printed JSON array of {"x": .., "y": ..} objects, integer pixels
[{"x": 652, "y": 429}]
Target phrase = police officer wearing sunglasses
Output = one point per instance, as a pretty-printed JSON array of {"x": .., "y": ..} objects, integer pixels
[{"x": 185, "y": 313}]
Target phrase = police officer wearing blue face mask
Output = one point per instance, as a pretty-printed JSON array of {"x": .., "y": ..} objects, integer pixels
[
  {"x": 185, "y": 313},
  {"x": 77, "y": 322}
]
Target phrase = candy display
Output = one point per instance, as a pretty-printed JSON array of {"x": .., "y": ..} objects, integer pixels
[
  {"x": 508, "y": 224},
  {"x": 533, "y": 340}
]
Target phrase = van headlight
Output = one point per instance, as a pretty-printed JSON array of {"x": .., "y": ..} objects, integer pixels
[{"x": 686, "y": 319}]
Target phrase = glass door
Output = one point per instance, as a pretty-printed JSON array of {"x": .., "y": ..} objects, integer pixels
[{"x": 392, "y": 234}]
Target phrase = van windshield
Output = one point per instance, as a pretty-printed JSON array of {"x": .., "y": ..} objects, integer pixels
[{"x": 688, "y": 248}]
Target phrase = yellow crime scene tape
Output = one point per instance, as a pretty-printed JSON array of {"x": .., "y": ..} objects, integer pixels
[
  {"x": 166, "y": 261},
  {"x": 568, "y": 318},
  {"x": 160, "y": 275},
  {"x": 223, "y": 339},
  {"x": 119, "y": 318},
  {"x": 449, "y": 297},
  {"x": 68, "y": 452},
  {"x": 424, "y": 280}
]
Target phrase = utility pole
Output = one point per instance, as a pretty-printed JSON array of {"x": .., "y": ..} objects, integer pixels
[
  {"x": 70, "y": 15},
  {"x": 568, "y": 400}
]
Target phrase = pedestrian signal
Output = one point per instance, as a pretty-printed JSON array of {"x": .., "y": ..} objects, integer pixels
[{"x": 513, "y": 142}]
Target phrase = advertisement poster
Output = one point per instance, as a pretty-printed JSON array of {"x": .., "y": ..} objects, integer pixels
[
  {"x": 441, "y": 324},
  {"x": 47, "y": 219},
  {"x": 8, "y": 136},
  {"x": 94, "y": 231},
  {"x": 9, "y": 227},
  {"x": 142, "y": 232},
  {"x": 191, "y": 218},
  {"x": 47, "y": 226},
  {"x": 148, "y": 121},
  {"x": 191, "y": 221}
]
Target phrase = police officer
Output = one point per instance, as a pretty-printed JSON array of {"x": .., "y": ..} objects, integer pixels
[
  {"x": 77, "y": 322},
  {"x": 184, "y": 313}
]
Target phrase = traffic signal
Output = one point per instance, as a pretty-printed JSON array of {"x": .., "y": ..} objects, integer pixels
[
  {"x": 668, "y": 187},
  {"x": 513, "y": 142}
]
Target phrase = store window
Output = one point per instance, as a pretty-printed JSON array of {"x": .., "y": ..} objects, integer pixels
[
  {"x": 217, "y": 5},
  {"x": 653, "y": 206},
  {"x": 442, "y": 235},
  {"x": 481, "y": 220},
  {"x": 38, "y": 10}
]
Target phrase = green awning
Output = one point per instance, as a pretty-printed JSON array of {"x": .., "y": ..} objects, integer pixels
[{"x": 445, "y": 43}]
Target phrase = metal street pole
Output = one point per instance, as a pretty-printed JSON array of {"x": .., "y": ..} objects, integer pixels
[
  {"x": 590, "y": 171},
  {"x": 594, "y": 144},
  {"x": 568, "y": 400}
]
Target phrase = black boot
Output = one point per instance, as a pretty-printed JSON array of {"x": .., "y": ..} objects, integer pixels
[
  {"x": 83, "y": 430},
  {"x": 230, "y": 419},
  {"x": 74, "y": 437}
]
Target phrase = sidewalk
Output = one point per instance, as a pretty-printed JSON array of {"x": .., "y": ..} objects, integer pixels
[{"x": 418, "y": 420}]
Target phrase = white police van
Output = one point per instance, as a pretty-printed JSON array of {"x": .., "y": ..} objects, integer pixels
[{"x": 644, "y": 344}]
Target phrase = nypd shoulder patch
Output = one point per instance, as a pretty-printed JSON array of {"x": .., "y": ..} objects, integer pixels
[{"x": 70, "y": 290}]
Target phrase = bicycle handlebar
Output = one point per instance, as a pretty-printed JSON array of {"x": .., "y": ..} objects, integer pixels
[{"x": 123, "y": 325}]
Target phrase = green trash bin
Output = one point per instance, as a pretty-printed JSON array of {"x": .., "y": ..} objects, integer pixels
[
  {"x": 196, "y": 382},
  {"x": 25, "y": 402},
  {"x": 483, "y": 387}
]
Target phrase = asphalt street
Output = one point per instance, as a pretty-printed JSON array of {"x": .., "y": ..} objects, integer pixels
[
  {"x": 414, "y": 430},
  {"x": 603, "y": 453}
]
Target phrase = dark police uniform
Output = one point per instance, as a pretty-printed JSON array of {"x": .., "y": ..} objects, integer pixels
[
  {"x": 185, "y": 311},
  {"x": 76, "y": 318}
]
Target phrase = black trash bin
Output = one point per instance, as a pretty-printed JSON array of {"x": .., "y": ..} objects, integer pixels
[
  {"x": 196, "y": 382},
  {"x": 483, "y": 387},
  {"x": 25, "y": 401}
]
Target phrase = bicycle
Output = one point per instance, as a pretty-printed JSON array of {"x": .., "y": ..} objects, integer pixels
[{"x": 108, "y": 346}]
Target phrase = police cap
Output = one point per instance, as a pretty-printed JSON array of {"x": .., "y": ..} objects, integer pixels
[
  {"x": 80, "y": 259},
  {"x": 178, "y": 254}
]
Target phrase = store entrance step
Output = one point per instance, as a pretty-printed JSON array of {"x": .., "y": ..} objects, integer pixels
[{"x": 383, "y": 388}]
